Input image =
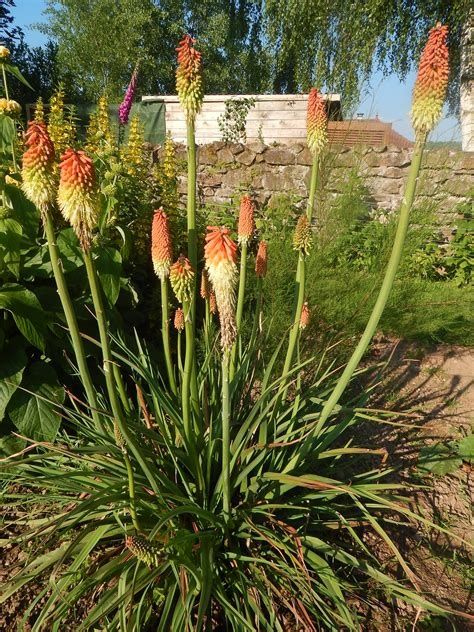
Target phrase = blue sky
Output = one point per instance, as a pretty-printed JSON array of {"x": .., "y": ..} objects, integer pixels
[{"x": 387, "y": 97}]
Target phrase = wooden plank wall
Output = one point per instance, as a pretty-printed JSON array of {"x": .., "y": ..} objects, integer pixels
[{"x": 274, "y": 118}]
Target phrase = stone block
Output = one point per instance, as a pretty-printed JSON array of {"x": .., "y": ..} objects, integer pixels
[
  {"x": 279, "y": 156},
  {"x": 246, "y": 157},
  {"x": 207, "y": 154},
  {"x": 225, "y": 155},
  {"x": 304, "y": 157},
  {"x": 256, "y": 146}
]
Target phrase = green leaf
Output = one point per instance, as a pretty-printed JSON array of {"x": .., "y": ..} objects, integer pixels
[
  {"x": 24, "y": 211},
  {"x": 34, "y": 410},
  {"x": 7, "y": 133},
  {"x": 13, "y": 70},
  {"x": 11, "y": 371},
  {"x": 70, "y": 250},
  {"x": 27, "y": 312},
  {"x": 10, "y": 245},
  {"x": 109, "y": 268},
  {"x": 466, "y": 448},
  {"x": 438, "y": 459}
]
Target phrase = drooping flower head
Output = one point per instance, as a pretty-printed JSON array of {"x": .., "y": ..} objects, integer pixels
[
  {"x": 302, "y": 237},
  {"x": 220, "y": 253},
  {"x": 38, "y": 170},
  {"x": 205, "y": 290},
  {"x": 261, "y": 260},
  {"x": 431, "y": 82},
  {"x": 305, "y": 316},
  {"x": 161, "y": 247},
  {"x": 77, "y": 196},
  {"x": 246, "y": 220},
  {"x": 316, "y": 122},
  {"x": 144, "y": 550},
  {"x": 9, "y": 107},
  {"x": 188, "y": 78},
  {"x": 4, "y": 53},
  {"x": 179, "y": 319},
  {"x": 126, "y": 105},
  {"x": 182, "y": 279}
]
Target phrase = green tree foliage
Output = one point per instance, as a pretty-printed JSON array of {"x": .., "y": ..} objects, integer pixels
[
  {"x": 101, "y": 40},
  {"x": 339, "y": 43}
]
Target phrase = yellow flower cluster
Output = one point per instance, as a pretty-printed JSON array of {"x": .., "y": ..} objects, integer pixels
[
  {"x": 9, "y": 107},
  {"x": 4, "y": 53},
  {"x": 132, "y": 153},
  {"x": 99, "y": 135},
  {"x": 39, "y": 111},
  {"x": 61, "y": 126}
]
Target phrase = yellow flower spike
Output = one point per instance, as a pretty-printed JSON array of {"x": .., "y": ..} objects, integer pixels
[
  {"x": 132, "y": 152},
  {"x": 77, "y": 195},
  {"x": 220, "y": 254},
  {"x": 302, "y": 238},
  {"x": 431, "y": 82},
  {"x": 38, "y": 170},
  {"x": 61, "y": 130},
  {"x": 39, "y": 111},
  {"x": 182, "y": 279}
]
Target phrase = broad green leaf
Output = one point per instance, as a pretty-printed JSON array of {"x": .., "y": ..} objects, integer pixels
[
  {"x": 10, "y": 245},
  {"x": 438, "y": 459},
  {"x": 13, "y": 70},
  {"x": 34, "y": 410},
  {"x": 109, "y": 268},
  {"x": 24, "y": 211},
  {"x": 11, "y": 370},
  {"x": 7, "y": 133},
  {"x": 70, "y": 250},
  {"x": 27, "y": 312},
  {"x": 466, "y": 448}
]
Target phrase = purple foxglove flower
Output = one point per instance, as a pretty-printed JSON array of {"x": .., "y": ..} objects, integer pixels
[{"x": 126, "y": 105}]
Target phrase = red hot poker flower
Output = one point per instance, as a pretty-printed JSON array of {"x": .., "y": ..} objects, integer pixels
[
  {"x": 431, "y": 82},
  {"x": 261, "y": 260},
  {"x": 78, "y": 196},
  {"x": 38, "y": 170},
  {"x": 316, "y": 122},
  {"x": 188, "y": 78},
  {"x": 246, "y": 220},
  {"x": 161, "y": 248}
]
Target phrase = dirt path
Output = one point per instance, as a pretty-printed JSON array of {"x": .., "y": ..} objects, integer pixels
[{"x": 434, "y": 386}]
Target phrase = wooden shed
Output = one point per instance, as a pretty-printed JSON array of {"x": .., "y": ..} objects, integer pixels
[{"x": 279, "y": 118}]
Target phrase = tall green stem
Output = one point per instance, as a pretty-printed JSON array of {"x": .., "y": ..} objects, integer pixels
[
  {"x": 193, "y": 258},
  {"x": 165, "y": 334},
  {"x": 385, "y": 288},
  {"x": 71, "y": 319},
  {"x": 240, "y": 303},
  {"x": 5, "y": 85},
  {"x": 225, "y": 435},
  {"x": 109, "y": 374},
  {"x": 187, "y": 371},
  {"x": 301, "y": 272}
]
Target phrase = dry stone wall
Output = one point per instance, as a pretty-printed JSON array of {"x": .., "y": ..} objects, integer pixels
[{"x": 226, "y": 170}]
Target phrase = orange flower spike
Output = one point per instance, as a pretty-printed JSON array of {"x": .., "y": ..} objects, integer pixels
[
  {"x": 302, "y": 238},
  {"x": 431, "y": 82},
  {"x": 261, "y": 260},
  {"x": 179, "y": 319},
  {"x": 189, "y": 78},
  {"x": 246, "y": 220},
  {"x": 316, "y": 122},
  {"x": 78, "y": 197},
  {"x": 38, "y": 170},
  {"x": 161, "y": 247},
  {"x": 212, "y": 302},
  {"x": 305, "y": 316},
  {"x": 182, "y": 279},
  {"x": 220, "y": 253}
]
